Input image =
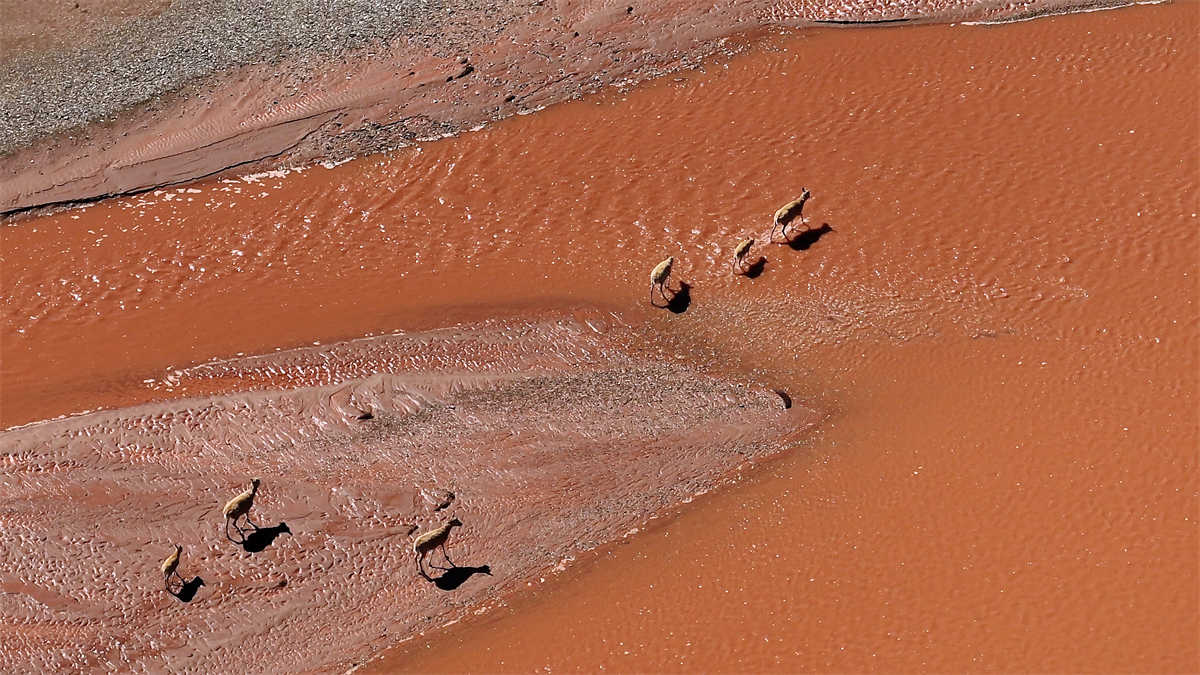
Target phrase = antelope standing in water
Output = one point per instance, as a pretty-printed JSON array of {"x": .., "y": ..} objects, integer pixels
[
  {"x": 658, "y": 279},
  {"x": 789, "y": 212},
  {"x": 739, "y": 255}
]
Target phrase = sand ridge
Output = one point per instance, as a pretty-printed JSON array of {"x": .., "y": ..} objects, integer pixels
[{"x": 563, "y": 443}]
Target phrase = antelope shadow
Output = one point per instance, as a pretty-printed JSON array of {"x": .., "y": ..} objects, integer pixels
[
  {"x": 681, "y": 299},
  {"x": 456, "y": 576},
  {"x": 262, "y": 537},
  {"x": 756, "y": 268},
  {"x": 783, "y": 396},
  {"x": 250, "y": 525},
  {"x": 806, "y": 238},
  {"x": 188, "y": 590}
]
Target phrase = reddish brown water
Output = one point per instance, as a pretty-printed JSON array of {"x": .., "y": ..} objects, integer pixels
[{"x": 1001, "y": 321}]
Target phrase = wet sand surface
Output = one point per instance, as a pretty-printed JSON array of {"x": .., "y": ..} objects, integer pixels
[
  {"x": 548, "y": 437},
  {"x": 995, "y": 307}
]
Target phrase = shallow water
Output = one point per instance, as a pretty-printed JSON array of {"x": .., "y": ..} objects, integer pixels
[{"x": 1000, "y": 316}]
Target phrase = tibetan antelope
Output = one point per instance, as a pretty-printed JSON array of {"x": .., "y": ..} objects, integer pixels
[
  {"x": 739, "y": 255},
  {"x": 785, "y": 215},
  {"x": 240, "y": 506},
  {"x": 658, "y": 279},
  {"x": 170, "y": 567},
  {"x": 434, "y": 539}
]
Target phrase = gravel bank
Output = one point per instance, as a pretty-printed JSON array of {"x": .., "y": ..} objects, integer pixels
[
  {"x": 127, "y": 62},
  {"x": 197, "y": 87}
]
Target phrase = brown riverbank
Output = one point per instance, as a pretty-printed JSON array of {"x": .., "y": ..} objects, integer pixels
[
  {"x": 136, "y": 96},
  {"x": 1000, "y": 316}
]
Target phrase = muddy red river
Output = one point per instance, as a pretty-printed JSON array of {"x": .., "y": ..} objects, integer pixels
[{"x": 949, "y": 423}]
